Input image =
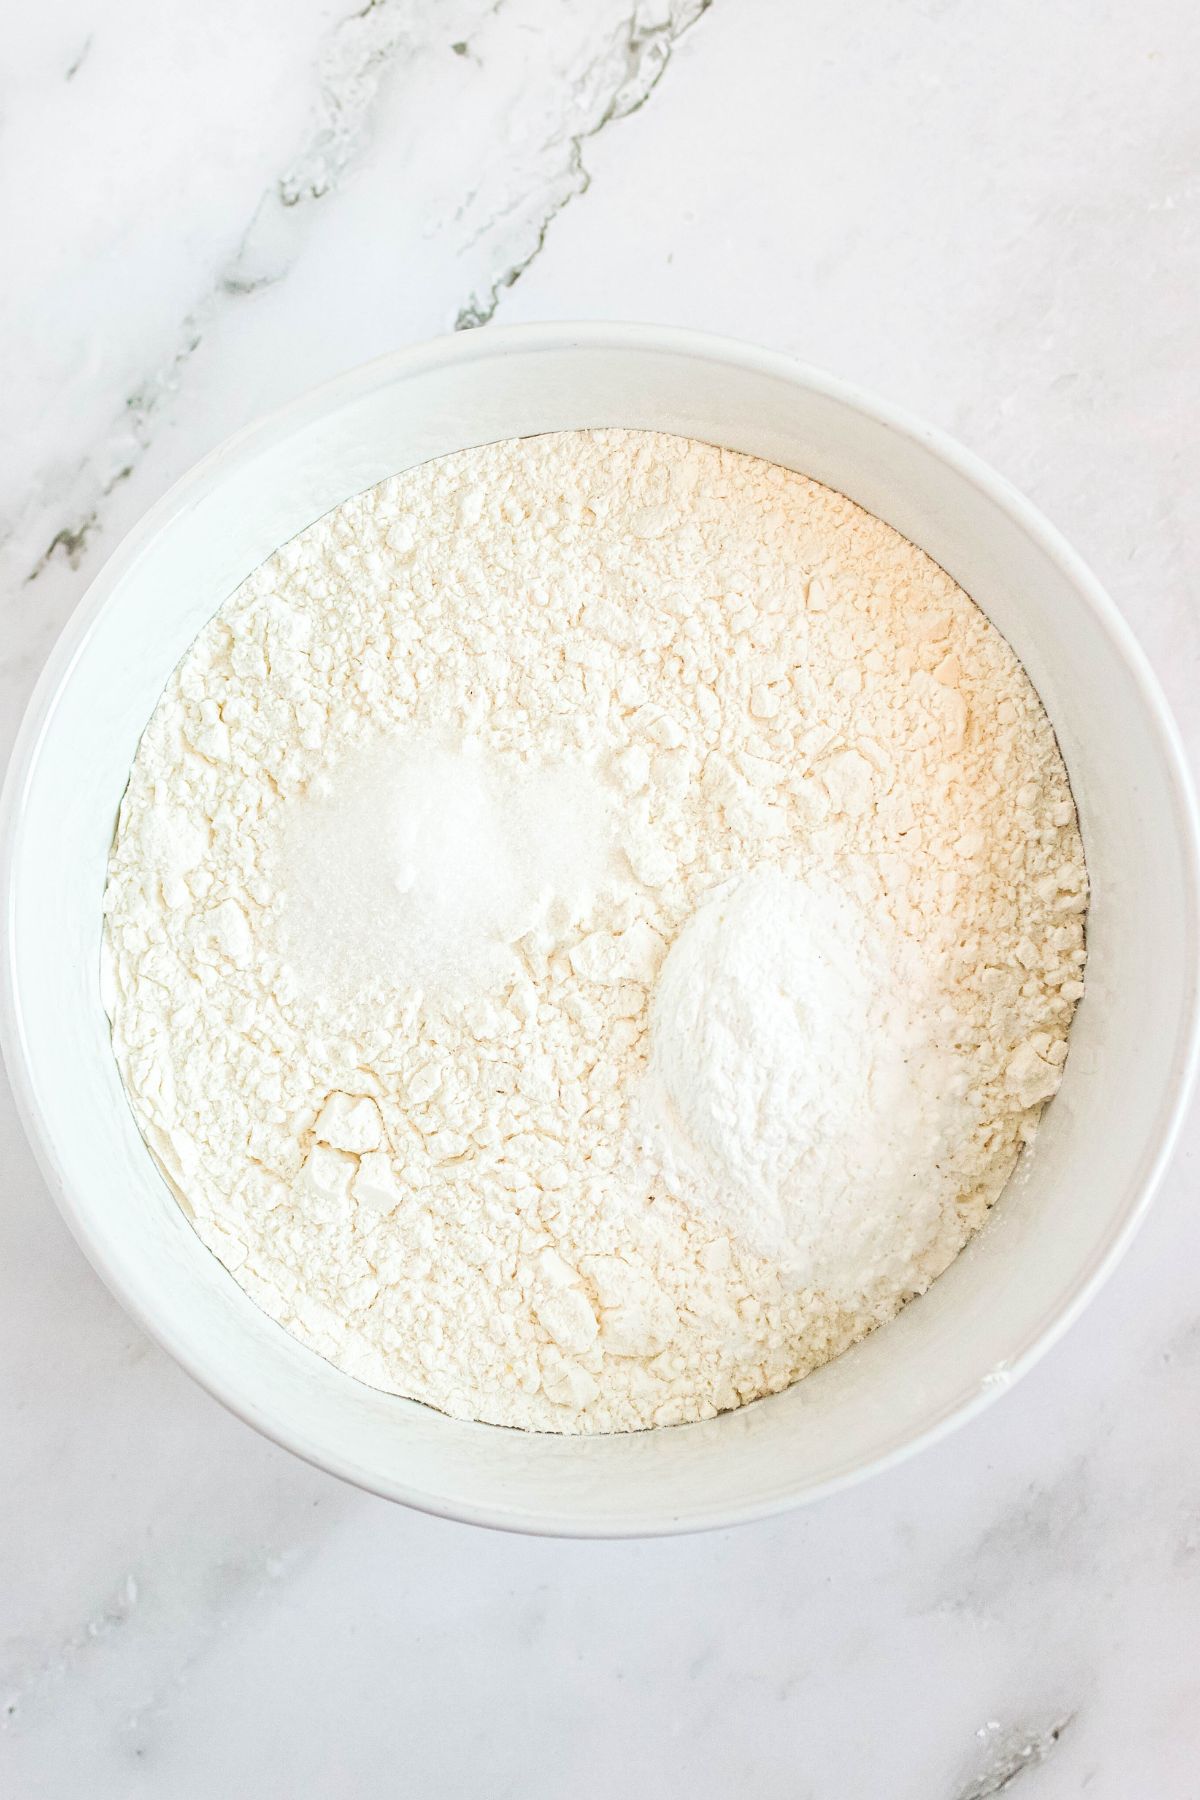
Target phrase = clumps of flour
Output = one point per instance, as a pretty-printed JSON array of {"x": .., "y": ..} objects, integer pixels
[{"x": 592, "y": 924}]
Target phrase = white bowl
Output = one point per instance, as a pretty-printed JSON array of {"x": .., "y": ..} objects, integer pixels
[{"x": 1058, "y": 1228}]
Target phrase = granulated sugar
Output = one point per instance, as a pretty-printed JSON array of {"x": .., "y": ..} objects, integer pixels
[
  {"x": 419, "y": 865},
  {"x": 592, "y": 924}
]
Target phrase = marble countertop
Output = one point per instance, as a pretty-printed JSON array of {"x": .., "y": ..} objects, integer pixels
[{"x": 988, "y": 213}]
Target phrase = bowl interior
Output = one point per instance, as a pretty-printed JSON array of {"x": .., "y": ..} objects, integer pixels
[{"x": 1103, "y": 1137}]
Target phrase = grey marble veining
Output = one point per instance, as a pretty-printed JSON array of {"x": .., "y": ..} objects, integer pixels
[{"x": 989, "y": 214}]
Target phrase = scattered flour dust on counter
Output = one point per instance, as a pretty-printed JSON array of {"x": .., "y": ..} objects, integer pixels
[{"x": 592, "y": 923}]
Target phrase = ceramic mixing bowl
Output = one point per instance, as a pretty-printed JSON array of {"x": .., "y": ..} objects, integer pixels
[{"x": 1059, "y": 1226}]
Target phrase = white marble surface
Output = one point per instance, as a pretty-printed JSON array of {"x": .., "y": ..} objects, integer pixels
[{"x": 989, "y": 212}]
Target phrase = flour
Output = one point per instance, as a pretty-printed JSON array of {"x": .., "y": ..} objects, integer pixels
[{"x": 592, "y": 924}]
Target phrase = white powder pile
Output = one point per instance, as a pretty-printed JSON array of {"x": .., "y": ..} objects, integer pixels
[
  {"x": 796, "y": 1091},
  {"x": 592, "y": 924}
]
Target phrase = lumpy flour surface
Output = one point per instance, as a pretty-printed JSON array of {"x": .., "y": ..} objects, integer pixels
[{"x": 592, "y": 923}]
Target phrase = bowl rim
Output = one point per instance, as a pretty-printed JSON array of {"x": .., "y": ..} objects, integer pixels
[{"x": 464, "y": 348}]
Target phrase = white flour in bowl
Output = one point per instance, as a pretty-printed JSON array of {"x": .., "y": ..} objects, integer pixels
[{"x": 592, "y": 924}]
